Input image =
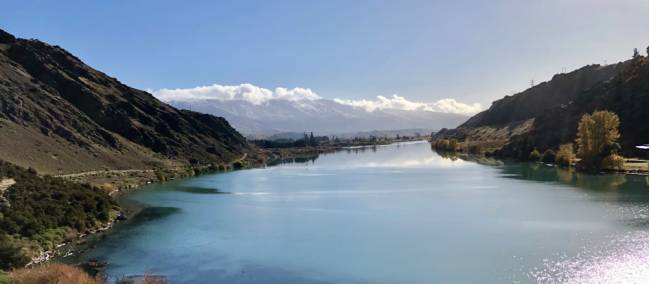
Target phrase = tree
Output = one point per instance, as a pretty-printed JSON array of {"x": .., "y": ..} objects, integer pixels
[
  {"x": 597, "y": 136},
  {"x": 306, "y": 139},
  {"x": 522, "y": 147},
  {"x": 534, "y": 155},
  {"x": 548, "y": 157},
  {"x": 636, "y": 53},
  {"x": 565, "y": 156},
  {"x": 312, "y": 140}
]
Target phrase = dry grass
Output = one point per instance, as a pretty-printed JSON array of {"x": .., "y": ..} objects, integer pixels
[
  {"x": 57, "y": 273},
  {"x": 54, "y": 273},
  {"x": 635, "y": 165}
]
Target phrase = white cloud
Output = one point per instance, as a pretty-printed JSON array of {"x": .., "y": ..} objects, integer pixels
[
  {"x": 246, "y": 92},
  {"x": 396, "y": 102},
  {"x": 258, "y": 95},
  {"x": 453, "y": 106}
]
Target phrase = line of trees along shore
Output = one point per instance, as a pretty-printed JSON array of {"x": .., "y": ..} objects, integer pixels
[
  {"x": 596, "y": 146},
  {"x": 309, "y": 140}
]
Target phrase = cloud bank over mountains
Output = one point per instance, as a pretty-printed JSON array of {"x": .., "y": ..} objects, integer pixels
[
  {"x": 401, "y": 103},
  {"x": 258, "y": 111},
  {"x": 245, "y": 92},
  {"x": 258, "y": 95}
]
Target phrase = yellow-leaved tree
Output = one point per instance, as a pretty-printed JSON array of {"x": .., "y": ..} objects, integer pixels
[
  {"x": 596, "y": 139},
  {"x": 565, "y": 156}
]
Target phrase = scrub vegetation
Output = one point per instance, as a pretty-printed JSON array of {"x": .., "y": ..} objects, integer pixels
[{"x": 39, "y": 212}]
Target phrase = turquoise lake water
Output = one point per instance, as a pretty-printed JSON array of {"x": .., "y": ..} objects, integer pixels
[{"x": 399, "y": 213}]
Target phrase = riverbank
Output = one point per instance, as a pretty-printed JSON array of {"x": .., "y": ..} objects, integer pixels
[
  {"x": 60, "y": 249},
  {"x": 379, "y": 196},
  {"x": 118, "y": 182},
  {"x": 631, "y": 165}
]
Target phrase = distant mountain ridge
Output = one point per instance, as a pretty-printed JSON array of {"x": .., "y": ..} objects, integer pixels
[
  {"x": 321, "y": 116},
  {"x": 424, "y": 132},
  {"x": 548, "y": 113},
  {"x": 59, "y": 115}
]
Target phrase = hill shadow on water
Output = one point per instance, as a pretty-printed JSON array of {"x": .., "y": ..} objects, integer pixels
[
  {"x": 198, "y": 190},
  {"x": 148, "y": 214}
]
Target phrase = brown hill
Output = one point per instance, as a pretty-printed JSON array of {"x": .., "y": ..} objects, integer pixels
[
  {"x": 547, "y": 115},
  {"x": 59, "y": 115}
]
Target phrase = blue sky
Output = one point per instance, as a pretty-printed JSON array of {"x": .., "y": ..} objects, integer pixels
[{"x": 472, "y": 51}]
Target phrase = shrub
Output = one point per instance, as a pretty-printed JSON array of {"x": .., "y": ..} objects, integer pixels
[
  {"x": 49, "y": 238},
  {"x": 548, "y": 157},
  {"x": 11, "y": 254},
  {"x": 565, "y": 156},
  {"x": 534, "y": 155},
  {"x": 43, "y": 209},
  {"x": 612, "y": 162},
  {"x": 238, "y": 165}
]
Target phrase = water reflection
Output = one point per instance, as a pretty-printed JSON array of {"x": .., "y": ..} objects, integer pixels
[
  {"x": 148, "y": 214},
  {"x": 634, "y": 185},
  {"x": 401, "y": 214},
  {"x": 620, "y": 258},
  {"x": 296, "y": 160}
]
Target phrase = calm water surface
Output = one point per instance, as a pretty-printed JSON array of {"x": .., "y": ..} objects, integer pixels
[{"x": 392, "y": 214}]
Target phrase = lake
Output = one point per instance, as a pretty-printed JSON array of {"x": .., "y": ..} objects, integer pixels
[{"x": 398, "y": 213}]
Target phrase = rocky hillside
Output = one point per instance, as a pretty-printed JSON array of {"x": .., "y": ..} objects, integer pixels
[
  {"x": 548, "y": 114},
  {"x": 59, "y": 115}
]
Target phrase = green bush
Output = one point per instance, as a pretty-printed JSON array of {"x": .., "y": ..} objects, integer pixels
[
  {"x": 534, "y": 155},
  {"x": 42, "y": 209},
  {"x": 548, "y": 157},
  {"x": 11, "y": 254},
  {"x": 49, "y": 238}
]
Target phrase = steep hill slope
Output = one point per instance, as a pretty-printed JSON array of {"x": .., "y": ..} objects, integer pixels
[
  {"x": 59, "y": 115},
  {"x": 548, "y": 113},
  {"x": 626, "y": 94}
]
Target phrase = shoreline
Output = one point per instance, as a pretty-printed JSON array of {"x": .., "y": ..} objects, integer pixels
[
  {"x": 48, "y": 255},
  {"x": 626, "y": 170},
  {"x": 128, "y": 210}
]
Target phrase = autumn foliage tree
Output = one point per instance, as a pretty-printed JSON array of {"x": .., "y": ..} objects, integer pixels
[
  {"x": 565, "y": 155},
  {"x": 597, "y": 140}
]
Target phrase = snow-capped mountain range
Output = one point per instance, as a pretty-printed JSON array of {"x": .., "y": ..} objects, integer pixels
[{"x": 253, "y": 110}]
